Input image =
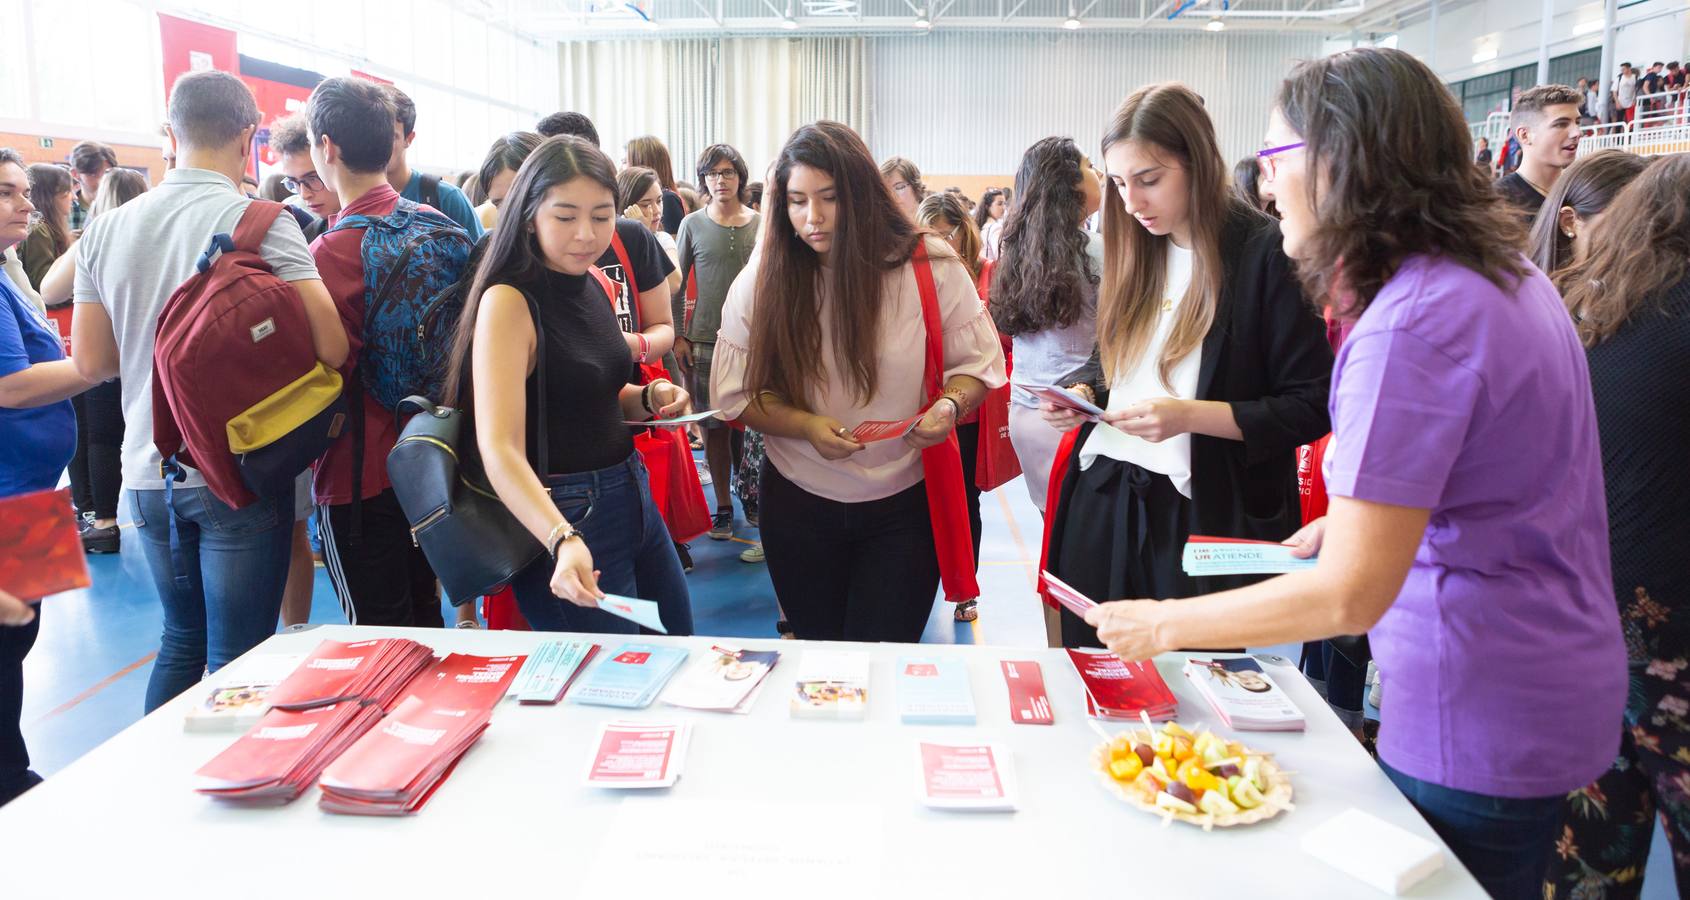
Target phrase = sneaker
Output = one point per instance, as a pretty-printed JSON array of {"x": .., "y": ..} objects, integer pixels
[
  {"x": 685, "y": 553},
  {"x": 722, "y": 525},
  {"x": 751, "y": 518},
  {"x": 468, "y": 623},
  {"x": 1375, "y": 693},
  {"x": 84, "y": 521},
  {"x": 102, "y": 540},
  {"x": 753, "y": 555},
  {"x": 703, "y": 472}
]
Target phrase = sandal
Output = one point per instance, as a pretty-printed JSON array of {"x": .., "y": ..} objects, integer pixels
[
  {"x": 967, "y": 611},
  {"x": 784, "y": 628}
]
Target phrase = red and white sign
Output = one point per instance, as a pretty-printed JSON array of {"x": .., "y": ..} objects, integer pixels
[
  {"x": 966, "y": 776},
  {"x": 637, "y": 755}
]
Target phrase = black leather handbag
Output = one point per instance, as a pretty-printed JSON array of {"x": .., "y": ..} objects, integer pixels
[{"x": 472, "y": 541}]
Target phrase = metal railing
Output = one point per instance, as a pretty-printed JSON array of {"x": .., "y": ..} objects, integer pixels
[{"x": 1662, "y": 131}]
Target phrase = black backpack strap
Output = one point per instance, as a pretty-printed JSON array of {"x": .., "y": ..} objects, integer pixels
[{"x": 430, "y": 191}]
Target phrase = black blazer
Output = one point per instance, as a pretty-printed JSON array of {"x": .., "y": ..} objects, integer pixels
[{"x": 1267, "y": 356}]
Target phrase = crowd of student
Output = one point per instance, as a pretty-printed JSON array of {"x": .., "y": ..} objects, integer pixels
[{"x": 1490, "y": 423}]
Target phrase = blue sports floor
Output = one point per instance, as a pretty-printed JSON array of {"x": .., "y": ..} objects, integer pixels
[{"x": 86, "y": 678}]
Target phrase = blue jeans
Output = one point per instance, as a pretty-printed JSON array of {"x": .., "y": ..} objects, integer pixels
[
  {"x": 631, "y": 548},
  {"x": 1505, "y": 842},
  {"x": 235, "y": 564}
]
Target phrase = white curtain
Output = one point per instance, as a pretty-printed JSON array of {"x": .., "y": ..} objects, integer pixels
[{"x": 748, "y": 92}]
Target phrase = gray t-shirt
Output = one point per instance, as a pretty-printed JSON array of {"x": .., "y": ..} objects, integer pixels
[
  {"x": 716, "y": 253},
  {"x": 1063, "y": 356},
  {"x": 130, "y": 261}
]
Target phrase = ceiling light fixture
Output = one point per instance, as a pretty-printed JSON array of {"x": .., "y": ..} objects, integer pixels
[
  {"x": 1215, "y": 24},
  {"x": 922, "y": 22},
  {"x": 1072, "y": 23},
  {"x": 788, "y": 24}
]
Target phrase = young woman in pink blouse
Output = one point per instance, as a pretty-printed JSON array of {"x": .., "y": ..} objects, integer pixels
[{"x": 823, "y": 331}]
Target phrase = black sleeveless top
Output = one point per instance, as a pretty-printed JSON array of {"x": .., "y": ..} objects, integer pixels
[{"x": 587, "y": 365}]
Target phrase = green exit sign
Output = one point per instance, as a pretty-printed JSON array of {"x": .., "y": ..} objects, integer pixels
[{"x": 46, "y": 143}]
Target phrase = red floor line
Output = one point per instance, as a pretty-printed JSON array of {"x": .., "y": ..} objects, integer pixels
[{"x": 104, "y": 683}]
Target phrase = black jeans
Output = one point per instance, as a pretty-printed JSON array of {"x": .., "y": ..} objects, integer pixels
[
  {"x": 382, "y": 579},
  {"x": 968, "y": 440},
  {"x": 96, "y": 471},
  {"x": 850, "y": 571},
  {"x": 15, "y": 776}
]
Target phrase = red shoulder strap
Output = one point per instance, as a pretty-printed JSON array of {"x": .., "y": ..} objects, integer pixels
[
  {"x": 627, "y": 267},
  {"x": 941, "y": 464},
  {"x": 930, "y": 317},
  {"x": 604, "y": 282},
  {"x": 255, "y": 224}
]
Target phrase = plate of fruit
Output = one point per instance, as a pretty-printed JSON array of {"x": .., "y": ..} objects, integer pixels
[{"x": 1200, "y": 778}]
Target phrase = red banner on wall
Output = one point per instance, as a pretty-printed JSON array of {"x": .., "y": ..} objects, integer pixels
[{"x": 194, "y": 47}]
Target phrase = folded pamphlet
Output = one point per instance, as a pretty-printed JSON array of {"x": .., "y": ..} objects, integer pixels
[
  {"x": 722, "y": 680},
  {"x": 638, "y": 755},
  {"x": 1206, "y": 556},
  {"x": 631, "y": 677},
  {"x": 1243, "y": 694},
  {"x": 934, "y": 692},
  {"x": 831, "y": 684},
  {"x": 977, "y": 777},
  {"x": 551, "y": 669}
]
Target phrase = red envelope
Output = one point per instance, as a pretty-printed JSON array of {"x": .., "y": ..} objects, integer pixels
[{"x": 40, "y": 548}]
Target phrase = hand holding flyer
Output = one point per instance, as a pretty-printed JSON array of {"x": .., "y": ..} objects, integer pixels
[
  {"x": 640, "y": 612},
  {"x": 1073, "y": 601},
  {"x": 1063, "y": 398},
  {"x": 875, "y": 430},
  {"x": 677, "y": 421}
]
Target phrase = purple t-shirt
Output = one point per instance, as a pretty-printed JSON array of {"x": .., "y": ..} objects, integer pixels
[{"x": 1502, "y": 659}]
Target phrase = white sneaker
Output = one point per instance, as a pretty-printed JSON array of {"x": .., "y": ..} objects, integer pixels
[{"x": 703, "y": 472}]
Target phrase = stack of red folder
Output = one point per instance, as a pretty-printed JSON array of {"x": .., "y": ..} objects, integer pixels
[
  {"x": 1120, "y": 690},
  {"x": 284, "y": 753},
  {"x": 375, "y": 671},
  {"x": 396, "y": 767}
]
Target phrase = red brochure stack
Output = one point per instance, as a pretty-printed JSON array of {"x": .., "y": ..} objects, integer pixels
[
  {"x": 284, "y": 753},
  {"x": 1119, "y": 690},
  {"x": 374, "y": 671},
  {"x": 395, "y": 768}
]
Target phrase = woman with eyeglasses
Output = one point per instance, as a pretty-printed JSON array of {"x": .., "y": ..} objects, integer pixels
[
  {"x": 903, "y": 179},
  {"x": 1217, "y": 370},
  {"x": 1467, "y": 532}
]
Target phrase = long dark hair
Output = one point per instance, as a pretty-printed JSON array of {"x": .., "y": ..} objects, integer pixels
[
  {"x": 1384, "y": 186},
  {"x": 513, "y": 255},
  {"x": 1171, "y": 118},
  {"x": 46, "y": 183},
  {"x": 871, "y": 237},
  {"x": 983, "y": 212},
  {"x": 1587, "y": 187},
  {"x": 1642, "y": 248},
  {"x": 1043, "y": 272}
]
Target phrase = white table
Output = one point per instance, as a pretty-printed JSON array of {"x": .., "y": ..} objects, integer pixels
[{"x": 514, "y": 816}]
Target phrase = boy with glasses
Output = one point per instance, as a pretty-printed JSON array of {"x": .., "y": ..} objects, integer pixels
[
  {"x": 715, "y": 243},
  {"x": 289, "y": 140}
]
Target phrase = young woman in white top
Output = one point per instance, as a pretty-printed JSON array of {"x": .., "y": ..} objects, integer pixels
[
  {"x": 1217, "y": 369},
  {"x": 824, "y": 331},
  {"x": 988, "y": 218}
]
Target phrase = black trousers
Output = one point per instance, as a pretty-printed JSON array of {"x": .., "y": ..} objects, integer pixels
[
  {"x": 1121, "y": 536},
  {"x": 968, "y": 440},
  {"x": 382, "y": 578},
  {"x": 850, "y": 571},
  {"x": 15, "y": 776},
  {"x": 96, "y": 471}
]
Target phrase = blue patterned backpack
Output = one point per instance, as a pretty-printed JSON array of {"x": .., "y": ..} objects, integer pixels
[
  {"x": 416, "y": 273},
  {"x": 416, "y": 269}
]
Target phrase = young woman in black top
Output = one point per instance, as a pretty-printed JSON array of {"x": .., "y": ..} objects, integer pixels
[
  {"x": 1218, "y": 369},
  {"x": 1630, "y": 295},
  {"x": 589, "y": 502}
]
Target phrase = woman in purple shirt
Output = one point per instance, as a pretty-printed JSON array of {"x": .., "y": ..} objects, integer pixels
[{"x": 1468, "y": 532}]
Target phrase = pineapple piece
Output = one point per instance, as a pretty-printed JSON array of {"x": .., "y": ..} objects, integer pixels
[{"x": 1126, "y": 768}]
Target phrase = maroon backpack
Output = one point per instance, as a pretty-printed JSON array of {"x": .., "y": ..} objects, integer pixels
[{"x": 238, "y": 391}]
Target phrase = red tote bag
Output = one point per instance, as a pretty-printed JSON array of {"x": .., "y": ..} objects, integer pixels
[{"x": 995, "y": 462}]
